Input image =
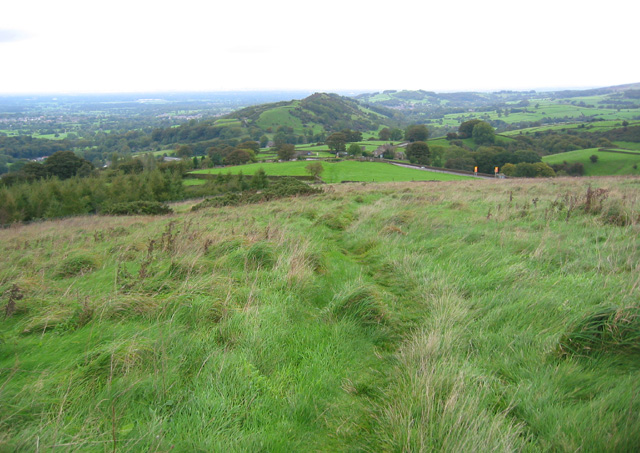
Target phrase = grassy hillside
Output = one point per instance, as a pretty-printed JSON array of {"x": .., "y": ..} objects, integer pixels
[
  {"x": 596, "y": 126},
  {"x": 280, "y": 116},
  {"x": 609, "y": 163},
  {"x": 511, "y": 107},
  {"x": 340, "y": 171},
  {"x": 452, "y": 316},
  {"x": 320, "y": 112}
]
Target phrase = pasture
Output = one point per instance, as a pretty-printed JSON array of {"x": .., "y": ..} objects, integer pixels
[
  {"x": 609, "y": 163},
  {"x": 335, "y": 172}
]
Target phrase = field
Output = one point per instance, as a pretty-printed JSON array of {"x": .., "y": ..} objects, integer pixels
[
  {"x": 339, "y": 171},
  {"x": 368, "y": 145},
  {"x": 453, "y": 316},
  {"x": 547, "y": 108},
  {"x": 596, "y": 126},
  {"x": 608, "y": 163}
]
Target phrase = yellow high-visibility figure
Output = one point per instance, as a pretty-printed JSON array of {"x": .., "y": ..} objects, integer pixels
[{"x": 496, "y": 170}]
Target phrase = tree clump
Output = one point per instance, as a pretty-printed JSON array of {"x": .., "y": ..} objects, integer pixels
[
  {"x": 418, "y": 153},
  {"x": 483, "y": 133},
  {"x": 416, "y": 133}
]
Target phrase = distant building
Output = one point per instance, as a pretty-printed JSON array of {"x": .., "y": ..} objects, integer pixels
[{"x": 380, "y": 150}]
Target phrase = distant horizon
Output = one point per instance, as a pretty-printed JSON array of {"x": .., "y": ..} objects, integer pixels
[{"x": 352, "y": 91}]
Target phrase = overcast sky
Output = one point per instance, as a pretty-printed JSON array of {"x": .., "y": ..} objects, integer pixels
[{"x": 139, "y": 45}]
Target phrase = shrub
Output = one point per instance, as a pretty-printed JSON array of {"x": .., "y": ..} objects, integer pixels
[
  {"x": 138, "y": 208},
  {"x": 574, "y": 169},
  {"x": 282, "y": 188}
]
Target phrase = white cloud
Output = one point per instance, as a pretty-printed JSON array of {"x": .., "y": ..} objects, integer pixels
[
  {"x": 7, "y": 36},
  {"x": 196, "y": 45}
]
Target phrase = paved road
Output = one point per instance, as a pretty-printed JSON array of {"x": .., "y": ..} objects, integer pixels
[{"x": 449, "y": 172}]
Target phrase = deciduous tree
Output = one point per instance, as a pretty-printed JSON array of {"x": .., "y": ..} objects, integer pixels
[
  {"x": 64, "y": 164},
  {"x": 418, "y": 153},
  {"x": 466, "y": 129},
  {"x": 286, "y": 152},
  {"x": 384, "y": 134},
  {"x": 238, "y": 157},
  {"x": 396, "y": 134},
  {"x": 315, "y": 169},
  {"x": 483, "y": 133},
  {"x": 354, "y": 150},
  {"x": 336, "y": 142},
  {"x": 416, "y": 133}
]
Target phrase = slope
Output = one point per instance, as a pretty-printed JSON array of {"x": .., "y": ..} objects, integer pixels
[{"x": 455, "y": 316}]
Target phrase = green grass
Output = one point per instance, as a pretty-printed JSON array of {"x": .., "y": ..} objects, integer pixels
[
  {"x": 607, "y": 164},
  {"x": 383, "y": 317},
  {"x": 628, "y": 145},
  {"x": 596, "y": 126},
  {"x": 280, "y": 116},
  {"x": 469, "y": 142},
  {"x": 335, "y": 172},
  {"x": 368, "y": 145},
  {"x": 555, "y": 109},
  {"x": 231, "y": 122},
  {"x": 60, "y": 136}
]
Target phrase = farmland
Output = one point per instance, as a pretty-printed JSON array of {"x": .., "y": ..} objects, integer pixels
[
  {"x": 590, "y": 127},
  {"x": 339, "y": 171},
  {"x": 608, "y": 163}
]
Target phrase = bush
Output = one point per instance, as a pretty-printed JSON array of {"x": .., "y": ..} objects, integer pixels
[
  {"x": 574, "y": 169},
  {"x": 282, "y": 188},
  {"x": 138, "y": 208}
]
